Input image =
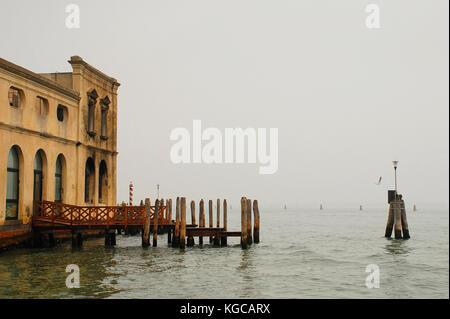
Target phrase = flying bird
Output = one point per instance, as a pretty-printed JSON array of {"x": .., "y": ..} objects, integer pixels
[{"x": 379, "y": 181}]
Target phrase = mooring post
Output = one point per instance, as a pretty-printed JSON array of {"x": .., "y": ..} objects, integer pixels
[
  {"x": 160, "y": 218},
  {"x": 218, "y": 213},
  {"x": 193, "y": 219},
  {"x": 201, "y": 217},
  {"x": 255, "y": 222},
  {"x": 74, "y": 239},
  {"x": 36, "y": 238},
  {"x": 110, "y": 237},
  {"x": 169, "y": 218},
  {"x": 190, "y": 240},
  {"x": 169, "y": 206},
  {"x": 243, "y": 223},
  {"x": 162, "y": 203},
  {"x": 249, "y": 222},
  {"x": 176, "y": 233},
  {"x": 210, "y": 208},
  {"x": 155, "y": 224},
  {"x": 404, "y": 221},
  {"x": 107, "y": 238},
  {"x": 51, "y": 240},
  {"x": 216, "y": 239},
  {"x": 77, "y": 239},
  {"x": 397, "y": 220},
  {"x": 146, "y": 232},
  {"x": 223, "y": 239},
  {"x": 390, "y": 221},
  {"x": 113, "y": 237},
  {"x": 183, "y": 223}
]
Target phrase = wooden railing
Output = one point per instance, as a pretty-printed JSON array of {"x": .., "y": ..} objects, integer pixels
[{"x": 46, "y": 212}]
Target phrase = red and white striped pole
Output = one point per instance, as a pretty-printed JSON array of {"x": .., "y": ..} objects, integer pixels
[{"x": 131, "y": 194}]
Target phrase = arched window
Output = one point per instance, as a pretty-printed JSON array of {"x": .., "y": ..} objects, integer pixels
[
  {"x": 12, "y": 185},
  {"x": 15, "y": 97},
  {"x": 37, "y": 184},
  {"x": 103, "y": 183},
  {"x": 89, "y": 181},
  {"x": 61, "y": 113},
  {"x": 58, "y": 179}
]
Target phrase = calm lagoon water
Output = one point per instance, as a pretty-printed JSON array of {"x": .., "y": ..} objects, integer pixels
[{"x": 302, "y": 254}]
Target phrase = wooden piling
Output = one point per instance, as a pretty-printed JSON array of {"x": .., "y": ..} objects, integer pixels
[
  {"x": 107, "y": 238},
  {"x": 390, "y": 221},
  {"x": 201, "y": 218},
  {"x": 404, "y": 221},
  {"x": 244, "y": 223},
  {"x": 255, "y": 222},
  {"x": 77, "y": 239},
  {"x": 397, "y": 220},
  {"x": 176, "y": 233},
  {"x": 146, "y": 232},
  {"x": 223, "y": 239},
  {"x": 169, "y": 207},
  {"x": 110, "y": 238},
  {"x": 216, "y": 239},
  {"x": 183, "y": 223},
  {"x": 155, "y": 224},
  {"x": 113, "y": 237},
  {"x": 210, "y": 208},
  {"x": 74, "y": 239},
  {"x": 249, "y": 222},
  {"x": 169, "y": 218},
  {"x": 218, "y": 213},
  {"x": 190, "y": 240},
  {"x": 51, "y": 240}
]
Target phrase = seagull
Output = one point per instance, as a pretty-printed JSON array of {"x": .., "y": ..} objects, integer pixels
[{"x": 379, "y": 181}]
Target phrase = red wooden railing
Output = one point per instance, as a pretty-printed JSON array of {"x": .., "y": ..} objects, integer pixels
[{"x": 54, "y": 213}]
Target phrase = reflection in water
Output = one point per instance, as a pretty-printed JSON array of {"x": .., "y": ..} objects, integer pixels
[
  {"x": 397, "y": 247},
  {"x": 245, "y": 269},
  {"x": 302, "y": 255}
]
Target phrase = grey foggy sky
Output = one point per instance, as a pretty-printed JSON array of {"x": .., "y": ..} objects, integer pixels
[{"x": 347, "y": 100}]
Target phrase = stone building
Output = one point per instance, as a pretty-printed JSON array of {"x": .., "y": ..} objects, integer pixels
[{"x": 58, "y": 141}]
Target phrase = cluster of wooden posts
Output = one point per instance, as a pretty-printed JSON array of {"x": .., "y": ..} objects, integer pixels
[
  {"x": 397, "y": 219},
  {"x": 180, "y": 234}
]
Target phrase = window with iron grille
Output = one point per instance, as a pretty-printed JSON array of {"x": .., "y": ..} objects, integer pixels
[{"x": 14, "y": 97}]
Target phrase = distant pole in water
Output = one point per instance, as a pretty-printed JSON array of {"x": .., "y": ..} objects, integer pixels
[
  {"x": 285, "y": 208},
  {"x": 321, "y": 206},
  {"x": 414, "y": 208},
  {"x": 360, "y": 207}
]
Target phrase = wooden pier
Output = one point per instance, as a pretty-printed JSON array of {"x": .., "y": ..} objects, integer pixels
[{"x": 146, "y": 219}]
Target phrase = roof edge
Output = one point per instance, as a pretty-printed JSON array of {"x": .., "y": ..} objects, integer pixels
[
  {"x": 77, "y": 60},
  {"x": 27, "y": 74}
]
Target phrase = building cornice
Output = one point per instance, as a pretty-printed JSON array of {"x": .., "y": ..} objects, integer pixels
[
  {"x": 22, "y": 130},
  {"x": 76, "y": 60},
  {"x": 29, "y": 75}
]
